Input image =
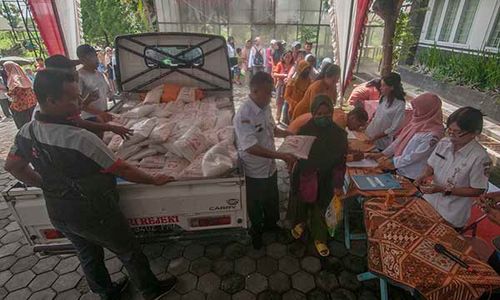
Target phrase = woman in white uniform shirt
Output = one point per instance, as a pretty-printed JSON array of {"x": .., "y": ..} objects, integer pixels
[
  {"x": 418, "y": 139},
  {"x": 390, "y": 112},
  {"x": 459, "y": 167}
]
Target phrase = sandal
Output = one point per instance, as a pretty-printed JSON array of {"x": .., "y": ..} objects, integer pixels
[
  {"x": 322, "y": 248},
  {"x": 298, "y": 231}
]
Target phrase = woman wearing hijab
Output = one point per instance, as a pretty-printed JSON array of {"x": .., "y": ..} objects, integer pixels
[
  {"x": 21, "y": 93},
  {"x": 297, "y": 86},
  {"x": 317, "y": 179},
  {"x": 325, "y": 84},
  {"x": 418, "y": 139}
]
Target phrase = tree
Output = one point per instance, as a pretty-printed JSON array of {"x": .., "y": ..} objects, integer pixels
[
  {"x": 388, "y": 10},
  {"x": 103, "y": 20}
]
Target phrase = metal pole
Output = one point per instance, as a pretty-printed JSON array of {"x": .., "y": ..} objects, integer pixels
[
  {"x": 9, "y": 18},
  {"x": 319, "y": 27},
  {"x": 347, "y": 48}
]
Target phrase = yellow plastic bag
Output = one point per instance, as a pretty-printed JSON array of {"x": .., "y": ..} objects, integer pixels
[{"x": 333, "y": 214}]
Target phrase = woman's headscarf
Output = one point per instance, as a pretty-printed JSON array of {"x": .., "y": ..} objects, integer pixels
[
  {"x": 297, "y": 79},
  {"x": 321, "y": 100},
  {"x": 324, "y": 62},
  {"x": 427, "y": 117},
  {"x": 16, "y": 78}
]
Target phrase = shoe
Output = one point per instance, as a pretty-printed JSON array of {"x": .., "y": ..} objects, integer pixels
[
  {"x": 116, "y": 290},
  {"x": 165, "y": 287}
]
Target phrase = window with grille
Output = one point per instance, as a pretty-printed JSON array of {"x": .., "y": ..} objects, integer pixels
[
  {"x": 466, "y": 20},
  {"x": 449, "y": 20},
  {"x": 435, "y": 17},
  {"x": 494, "y": 40}
]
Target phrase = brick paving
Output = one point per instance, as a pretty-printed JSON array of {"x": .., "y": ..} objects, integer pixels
[{"x": 283, "y": 269}]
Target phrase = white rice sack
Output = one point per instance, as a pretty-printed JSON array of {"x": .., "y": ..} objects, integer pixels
[
  {"x": 134, "y": 163},
  {"x": 206, "y": 120},
  {"x": 172, "y": 149},
  {"x": 223, "y": 102},
  {"x": 127, "y": 152},
  {"x": 107, "y": 136},
  {"x": 154, "y": 96},
  {"x": 216, "y": 161},
  {"x": 298, "y": 145},
  {"x": 153, "y": 162},
  {"x": 224, "y": 119},
  {"x": 226, "y": 134},
  {"x": 187, "y": 94},
  {"x": 159, "y": 148},
  {"x": 139, "y": 111},
  {"x": 194, "y": 169},
  {"x": 161, "y": 133},
  {"x": 206, "y": 106},
  {"x": 115, "y": 143},
  {"x": 192, "y": 107},
  {"x": 143, "y": 153},
  {"x": 212, "y": 137},
  {"x": 161, "y": 111},
  {"x": 142, "y": 130},
  {"x": 174, "y": 165},
  {"x": 191, "y": 144}
]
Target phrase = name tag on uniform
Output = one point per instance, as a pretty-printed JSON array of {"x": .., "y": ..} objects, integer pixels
[{"x": 440, "y": 156}]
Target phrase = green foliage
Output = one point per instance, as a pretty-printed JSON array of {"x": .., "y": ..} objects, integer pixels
[
  {"x": 11, "y": 13},
  {"x": 308, "y": 33},
  {"x": 403, "y": 40},
  {"x": 478, "y": 70},
  {"x": 103, "y": 20}
]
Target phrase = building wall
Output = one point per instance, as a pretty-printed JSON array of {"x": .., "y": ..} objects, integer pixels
[{"x": 483, "y": 23}]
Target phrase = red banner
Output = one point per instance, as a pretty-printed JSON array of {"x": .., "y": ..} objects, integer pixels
[{"x": 46, "y": 19}]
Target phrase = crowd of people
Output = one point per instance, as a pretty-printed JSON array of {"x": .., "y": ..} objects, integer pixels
[{"x": 61, "y": 150}]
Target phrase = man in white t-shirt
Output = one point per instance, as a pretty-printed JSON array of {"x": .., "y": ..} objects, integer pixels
[{"x": 92, "y": 82}]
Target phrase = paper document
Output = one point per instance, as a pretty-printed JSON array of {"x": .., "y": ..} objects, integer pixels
[{"x": 364, "y": 163}]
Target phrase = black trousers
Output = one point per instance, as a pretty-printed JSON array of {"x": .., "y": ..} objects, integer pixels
[
  {"x": 263, "y": 202},
  {"x": 5, "y": 103},
  {"x": 115, "y": 235},
  {"x": 22, "y": 117}
]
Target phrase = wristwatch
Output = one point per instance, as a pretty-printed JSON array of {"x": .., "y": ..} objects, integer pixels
[{"x": 447, "y": 191}]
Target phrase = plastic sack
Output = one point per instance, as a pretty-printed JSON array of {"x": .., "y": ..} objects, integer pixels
[
  {"x": 194, "y": 169},
  {"x": 107, "y": 136},
  {"x": 142, "y": 130},
  {"x": 191, "y": 107},
  {"x": 333, "y": 214},
  {"x": 206, "y": 106},
  {"x": 159, "y": 148},
  {"x": 143, "y": 153},
  {"x": 298, "y": 145},
  {"x": 212, "y": 137},
  {"x": 127, "y": 152},
  {"x": 153, "y": 162},
  {"x": 191, "y": 144},
  {"x": 161, "y": 133},
  {"x": 206, "y": 120},
  {"x": 186, "y": 95},
  {"x": 216, "y": 161},
  {"x": 224, "y": 119},
  {"x": 140, "y": 111},
  {"x": 115, "y": 143},
  {"x": 154, "y": 95},
  {"x": 226, "y": 135},
  {"x": 174, "y": 165}
]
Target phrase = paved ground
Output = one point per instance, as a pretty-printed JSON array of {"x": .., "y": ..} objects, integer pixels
[{"x": 283, "y": 269}]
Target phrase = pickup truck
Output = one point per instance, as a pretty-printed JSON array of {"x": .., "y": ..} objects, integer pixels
[{"x": 182, "y": 209}]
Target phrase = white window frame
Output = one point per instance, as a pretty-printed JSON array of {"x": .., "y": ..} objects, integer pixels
[
  {"x": 491, "y": 27},
  {"x": 450, "y": 43}
]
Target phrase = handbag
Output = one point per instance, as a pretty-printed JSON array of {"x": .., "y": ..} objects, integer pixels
[{"x": 308, "y": 186}]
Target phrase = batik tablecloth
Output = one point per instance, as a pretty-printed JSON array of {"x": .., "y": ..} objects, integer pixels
[{"x": 401, "y": 248}]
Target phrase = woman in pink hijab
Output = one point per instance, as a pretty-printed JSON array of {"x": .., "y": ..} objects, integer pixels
[
  {"x": 21, "y": 93},
  {"x": 417, "y": 140}
]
